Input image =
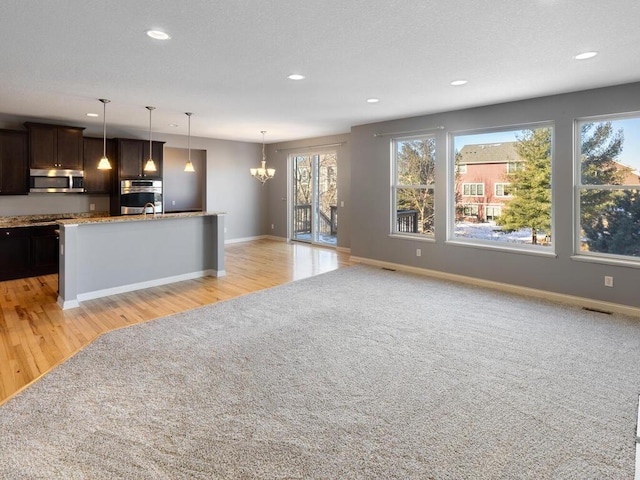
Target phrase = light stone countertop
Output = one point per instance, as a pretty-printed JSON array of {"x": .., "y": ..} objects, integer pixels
[
  {"x": 86, "y": 218},
  {"x": 137, "y": 218}
]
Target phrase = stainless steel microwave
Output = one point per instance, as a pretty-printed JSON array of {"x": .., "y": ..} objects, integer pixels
[{"x": 54, "y": 181}]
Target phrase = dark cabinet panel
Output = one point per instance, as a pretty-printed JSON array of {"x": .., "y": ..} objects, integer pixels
[
  {"x": 132, "y": 155},
  {"x": 129, "y": 158},
  {"x": 55, "y": 146},
  {"x": 14, "y": 253},
  {"x": 44, "y": 250},
  {"x": 97, "y": 181},
  {"x": 13, "y": 163},
  {"x": 70, "y": 148}
]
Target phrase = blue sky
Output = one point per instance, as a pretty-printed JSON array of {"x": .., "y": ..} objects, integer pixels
[{"x": 630, "y": 153}]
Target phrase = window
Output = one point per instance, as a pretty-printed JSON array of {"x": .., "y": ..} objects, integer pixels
[
  {"x": 515, "y": 207},
  {"x": 503, "y": 190},
  {"x": 471, "y": 210},
  {"x": 608, "y": 187},
  {"x": 473, "y": 189},
  {"x": 413, "y": 185},
  {"x": 514, "y": 166},
  {"x": 462, "y": 168}
]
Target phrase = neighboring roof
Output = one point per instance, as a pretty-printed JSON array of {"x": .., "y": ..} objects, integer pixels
[{"x": 489, "y": 153}]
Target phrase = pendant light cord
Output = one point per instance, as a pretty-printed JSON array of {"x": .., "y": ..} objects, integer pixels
[{"x": 104, "y": 126}]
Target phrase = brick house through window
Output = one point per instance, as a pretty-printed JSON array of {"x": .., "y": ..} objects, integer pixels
[{"x": 482, "y": 184}]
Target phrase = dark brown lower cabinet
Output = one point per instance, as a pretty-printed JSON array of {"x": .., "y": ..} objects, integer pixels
[
  {"x": 44, "y": 250},
  {"x": 28, "y": 251},
  {"x": 14, "y": 253}
]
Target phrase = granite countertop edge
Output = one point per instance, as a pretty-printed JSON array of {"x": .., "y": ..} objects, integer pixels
[
  {"x": 137, "y": 218},
  {"x": 89, "y": 218}
]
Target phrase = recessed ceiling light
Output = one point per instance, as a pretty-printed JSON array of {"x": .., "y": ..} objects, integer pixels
[
  {"x": 457, "y": 83},
  {"x": 174, "y": 125},
  {"x": 296, "y": 76},
  {"x": 92, "y": 115},
  {"x": 585, "y": 55},
  {"x": 373, "y": 100},
  {"x": 158, "y": 35}
]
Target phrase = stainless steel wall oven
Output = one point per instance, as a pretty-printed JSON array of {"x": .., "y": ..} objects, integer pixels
[{"x": 135, "y": 194}]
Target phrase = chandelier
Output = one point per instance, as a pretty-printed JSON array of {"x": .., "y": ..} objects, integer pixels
[{"x": 263, "y": 173}]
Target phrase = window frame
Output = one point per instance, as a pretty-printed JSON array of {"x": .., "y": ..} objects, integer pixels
[
  {"x": 525, "y": 249},
  {"x": 578, "y": 254},
  {"x": 395, "y": 186}
]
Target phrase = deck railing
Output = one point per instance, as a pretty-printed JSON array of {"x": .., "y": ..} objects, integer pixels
[
  {"x": 407, "y": 221},
  {"x": 328, "y": 224}
]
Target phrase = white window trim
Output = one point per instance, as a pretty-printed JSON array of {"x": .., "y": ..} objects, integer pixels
[
  {"x": 536, "y": 250},
  {"x": 595, "y": 257},
  {"x": 393, "y": 232}
]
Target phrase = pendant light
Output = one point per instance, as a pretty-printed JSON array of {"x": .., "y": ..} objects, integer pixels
[
  {"x": 104, "y": 163},
  {"x": 189, "y": 166},
  {"x": 150, "y": 166},
  {"x": 263, "y": 173}
]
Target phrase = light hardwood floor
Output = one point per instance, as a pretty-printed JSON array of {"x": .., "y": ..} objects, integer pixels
[{"x": 36, "y": 335}]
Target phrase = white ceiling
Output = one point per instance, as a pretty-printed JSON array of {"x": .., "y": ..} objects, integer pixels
[{"x": 228, "y": 60}]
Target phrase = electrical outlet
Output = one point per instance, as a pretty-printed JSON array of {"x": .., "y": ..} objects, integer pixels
[
  {"x": 272, "y": 226},
  {"x": 225, "y": 229},
  {"x": 608, "y": 281},
  {"x": 342, "y": 203},
  {"x": 418, "y": 252},
  {"x": 92, "y": 206},
  {"x": 173, "y": 202}
]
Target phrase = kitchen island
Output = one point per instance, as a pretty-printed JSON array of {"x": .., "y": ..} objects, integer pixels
[{"x": 109, "y": 255}]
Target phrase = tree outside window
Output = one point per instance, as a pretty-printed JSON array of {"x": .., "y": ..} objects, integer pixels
[
  {"x": 609, "y": 187},
  {"x": 413, "y": 185},
  {"x": 508, "y": 183}
]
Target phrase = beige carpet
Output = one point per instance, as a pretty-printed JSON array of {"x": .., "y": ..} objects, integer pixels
[{"x": 358, "y": 373}]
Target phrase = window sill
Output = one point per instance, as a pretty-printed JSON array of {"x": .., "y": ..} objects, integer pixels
[
  {"x": 606, "y": 261},
  {"x": 505, "y": 248},
  {"x": 418, "y": 237}
]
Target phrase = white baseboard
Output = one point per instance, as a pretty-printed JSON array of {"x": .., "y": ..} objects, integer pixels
[
  {"x": 259, "y": 237},
  {"x": 243, "y": 239},
  {"x": 137, "y": 286},
  {"x": 531, "y": 292}
]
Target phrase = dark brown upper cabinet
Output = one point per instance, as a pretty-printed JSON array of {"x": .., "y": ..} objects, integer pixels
[
  {"x": 98, "y": 181},
  {"x": 55, "y": 146},
  {"x": 132, "y": 155},
  {"x": 13, "y": 162}
]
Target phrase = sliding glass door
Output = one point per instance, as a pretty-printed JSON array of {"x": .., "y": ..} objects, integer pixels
[{"x": 314, "y": 198}]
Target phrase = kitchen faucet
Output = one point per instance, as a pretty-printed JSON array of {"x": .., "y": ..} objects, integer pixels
[{"x": 148, "y": 204}]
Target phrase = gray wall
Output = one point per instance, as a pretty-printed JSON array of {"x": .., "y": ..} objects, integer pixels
[
  {"x": 183, "y": 190},
  {"x": 277, "y": 155},
  {"x": 370, "y": 194}
]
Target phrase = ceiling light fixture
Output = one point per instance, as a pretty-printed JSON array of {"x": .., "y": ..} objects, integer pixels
[
  {"x": 585, "y": 55},
  {"x": 104, "y": 163},
  {"x": 263, "y": 173},
  {"x": 457, "y": 83},
  {"x": 189, "y": 166},
  {"x": 373, "y": 100},
  {"x": 158, "y": 35},
  {"x": 296, "y": 76},
  {"x": 150, "y": 166}
]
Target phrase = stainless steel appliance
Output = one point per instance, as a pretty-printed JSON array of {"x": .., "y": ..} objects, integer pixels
[
  {"x": 56, "y": 181},
  {"x": 135, "y": 194}
]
